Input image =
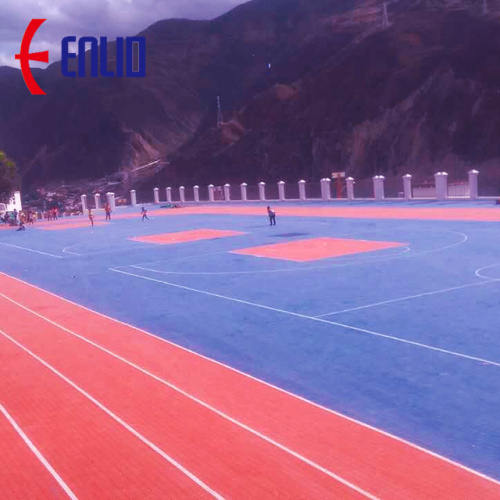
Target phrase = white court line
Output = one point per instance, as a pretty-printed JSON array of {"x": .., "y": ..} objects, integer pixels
[
  {"x": 31, "y": 250},
  {"x": 115, "y": 417},
  {"x": 267, "y": 384},
  {"x": 312, "y": 318},
  {"x": 447, "y": 247},
  {"x": 65, "y": 250},
  {"x": 38, "y": 454},
  {"x": 269, "y": 440},
  {"x": 479, "y": 275},
  {"x": 426, "y": 294},
  {"x": 113, "y": 250}
]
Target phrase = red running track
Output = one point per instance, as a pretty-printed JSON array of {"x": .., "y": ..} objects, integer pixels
[
  {"x": 227, "y": 435},
  {"x": 473, "y": 213},
  {"x": 22, "y": 474}
]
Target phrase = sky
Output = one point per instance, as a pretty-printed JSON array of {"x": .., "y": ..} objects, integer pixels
[{"x": 109, "y": 18}]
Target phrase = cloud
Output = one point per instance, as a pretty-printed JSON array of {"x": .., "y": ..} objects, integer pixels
[{"x": 109, "y": 18}]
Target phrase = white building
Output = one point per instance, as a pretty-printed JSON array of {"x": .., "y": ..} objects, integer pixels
[{"x": 15, "y": 202}]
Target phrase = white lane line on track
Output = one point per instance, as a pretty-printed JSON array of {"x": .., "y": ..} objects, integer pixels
[
  {"x": 37, "y": 452},
  {"x": 269, "y": 440},
  {"x": 115, "y": 417},
  {"x": 263, "y": 382}
]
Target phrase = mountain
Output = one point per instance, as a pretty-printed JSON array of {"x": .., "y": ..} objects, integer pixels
[{"x": 307, "y": 87}]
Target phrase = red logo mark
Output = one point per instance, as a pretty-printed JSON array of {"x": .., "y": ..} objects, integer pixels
[{"x": 25, "y": 57}]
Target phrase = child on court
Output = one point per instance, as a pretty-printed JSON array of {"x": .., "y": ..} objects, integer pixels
[
  {"x": 144, "y": 213},
  {"x": 91, "y": 217},
  {"x": 272, "y": 216},
  {"x": 107, "y": 209}
]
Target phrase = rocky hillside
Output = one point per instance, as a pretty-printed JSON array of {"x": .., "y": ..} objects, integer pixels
[{"x": 307, "y": 87}]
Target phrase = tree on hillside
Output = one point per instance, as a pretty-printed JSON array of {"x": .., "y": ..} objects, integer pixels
[{"x": 7, "y": 176}]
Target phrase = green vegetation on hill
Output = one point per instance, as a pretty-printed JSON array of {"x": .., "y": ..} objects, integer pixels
[{"x": 7, "y": 176}]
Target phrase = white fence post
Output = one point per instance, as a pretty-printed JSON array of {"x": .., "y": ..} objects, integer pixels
[
  {"x": 441, "y": 185},
  {"x": 211, "y": 196},
  {"x": 97, "y": 201},
  {"x": 182, "y": 194},
  {"x": 473, "y": 189},
  {"x": 156, "y": 193},
  {"x": 281, "y": 190},
  {"x": 169, "y": 194},
  {"x": 262, "y": 191},
  {"x": 133, "y": 198},
  {"x": 227, "y": 192},
  {"x": 350, "y": 188},
  {"x": 243, "y": 187},
  {"x": 111, "y": 200},
  {"x": 326, "y": 190},
  {"x": 196, "y": 191},
  {"x": 378, "y": 187},
  {"x": 407, "y": 187},
  {"x": 84, "y": 202},
  {"x": 302, "y": 190}
]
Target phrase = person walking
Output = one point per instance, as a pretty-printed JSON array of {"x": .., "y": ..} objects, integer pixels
[
  {"x": 144, "y": 213},
  {"x": 272, "y": 216}
]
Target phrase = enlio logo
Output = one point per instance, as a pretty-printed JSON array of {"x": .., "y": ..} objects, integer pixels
[
  {"x": 130, "y": 57},
  {"x": 99, "y": 65}
]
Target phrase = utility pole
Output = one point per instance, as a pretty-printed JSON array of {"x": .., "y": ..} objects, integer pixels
[
  {"x": 220, "y": 118},
  {"x": 385, "y": 17}
]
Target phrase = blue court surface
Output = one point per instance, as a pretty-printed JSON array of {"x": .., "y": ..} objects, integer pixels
[{"x": 406, "y": 339}]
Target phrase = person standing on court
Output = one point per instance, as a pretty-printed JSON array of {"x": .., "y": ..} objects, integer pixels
[
  {"x": 91, "y": 217},
  {"x": 272, "y": 216},
  {"x": 144, "y": 213},
  {"x": 107, "y": 209}
]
